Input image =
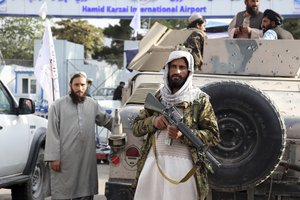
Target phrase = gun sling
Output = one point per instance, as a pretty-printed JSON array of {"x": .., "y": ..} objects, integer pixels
[{"x": 184, "y": 179}]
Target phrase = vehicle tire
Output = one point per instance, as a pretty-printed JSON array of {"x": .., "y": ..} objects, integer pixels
[
  {"x": 22, "y": 191},
  {"x": 252, "y": 136},
  {"x": 38, "y": 187}
]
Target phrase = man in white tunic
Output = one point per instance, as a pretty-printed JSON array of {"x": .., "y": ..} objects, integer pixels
[
  {"x": 271, "y": 26},
  {"x": 70, "y": 142},
  {"x": 167, "y": 155}
]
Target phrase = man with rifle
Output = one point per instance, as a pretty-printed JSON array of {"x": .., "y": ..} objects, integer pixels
[{"x": 171, "y": 165}]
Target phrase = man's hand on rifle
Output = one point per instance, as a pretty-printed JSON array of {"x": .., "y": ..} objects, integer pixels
[
  {"x": 173, "y": 132},
  {"x": 160, "y": 122}
]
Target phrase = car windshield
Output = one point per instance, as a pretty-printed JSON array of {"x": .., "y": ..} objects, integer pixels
[{"x": 105, "y": 92}]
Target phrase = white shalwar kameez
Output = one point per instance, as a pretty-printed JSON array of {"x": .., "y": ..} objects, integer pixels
[{"x": 175, "y": 161}]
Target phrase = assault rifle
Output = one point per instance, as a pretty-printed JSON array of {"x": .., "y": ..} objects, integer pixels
[{"x": 174, "y": 118}]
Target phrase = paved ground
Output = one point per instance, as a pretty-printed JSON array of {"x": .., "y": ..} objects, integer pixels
[{"x": 103, "y": 171}]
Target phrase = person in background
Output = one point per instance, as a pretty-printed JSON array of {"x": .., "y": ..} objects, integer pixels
[
  {"x": 158, "y": 174},
  {"x": 89, "y": 87},
  {"x": 118, "y": 91},
  {"x": 70, "y": 142},
  {"x": 247, "y": 24},
  {"x": 271, "y": 26},
  {"x": 196, "y": 40}
]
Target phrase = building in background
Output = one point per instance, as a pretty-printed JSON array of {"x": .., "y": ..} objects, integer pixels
[{"x": 148, "y": 8}]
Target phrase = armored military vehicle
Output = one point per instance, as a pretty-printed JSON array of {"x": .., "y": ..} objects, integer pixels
[{"x": 254, "y": 87}]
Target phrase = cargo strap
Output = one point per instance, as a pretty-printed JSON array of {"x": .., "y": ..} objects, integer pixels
[{"x": 184, "y": 179}]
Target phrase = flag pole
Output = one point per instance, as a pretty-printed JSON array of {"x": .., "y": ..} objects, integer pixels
[
  {"x": 52, "y": 75},
  {"x": 53, "y": 63},
  {"x": 52, "y": 60}
]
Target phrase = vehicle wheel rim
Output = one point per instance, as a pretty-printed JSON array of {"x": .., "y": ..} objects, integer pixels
[
  {"x": 37, "y": 181},
  {"x": 235, "y": 143}
]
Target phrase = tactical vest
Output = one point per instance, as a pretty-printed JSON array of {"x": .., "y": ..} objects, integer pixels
[
  {"x": 192, "y": 110},
  {"x": 255, "y": 21}
]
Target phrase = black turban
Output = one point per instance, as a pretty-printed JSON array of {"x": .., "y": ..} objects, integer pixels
[{"x": 273, "y": 16}]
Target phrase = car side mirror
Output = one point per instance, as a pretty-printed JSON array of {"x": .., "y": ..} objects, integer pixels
[{"x": 26, "y": 106}]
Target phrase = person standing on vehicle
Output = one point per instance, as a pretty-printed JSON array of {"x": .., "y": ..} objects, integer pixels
[
  {"x": 118, "y": 91},
  {"x": 196, "y": 40},
  {"x": 70, "y": 142},
  {"x": 89, "y": 87},
  {"x": 247, "y": 24},
  {"x": 158, "y": 174},
  {"x": 271, "y": 26}
]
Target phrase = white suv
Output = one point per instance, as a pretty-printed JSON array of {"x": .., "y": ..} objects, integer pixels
[{"x": 22, "y": 138}]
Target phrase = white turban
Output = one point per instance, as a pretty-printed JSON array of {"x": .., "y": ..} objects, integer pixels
[{"x": 187, "y": 92}]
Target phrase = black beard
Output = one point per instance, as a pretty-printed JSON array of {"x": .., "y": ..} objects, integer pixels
[
  {"x": 267, "y": 28},
  {"x": 176, "y": 84},
  {"x": 76, "y": 98},
  {"x": 253, "y": 11}
]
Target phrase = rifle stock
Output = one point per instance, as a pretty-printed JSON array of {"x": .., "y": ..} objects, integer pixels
[{"x": 152, "y": 103}]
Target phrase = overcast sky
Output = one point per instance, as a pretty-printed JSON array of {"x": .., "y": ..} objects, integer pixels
[{"x": 103, "y": 23}]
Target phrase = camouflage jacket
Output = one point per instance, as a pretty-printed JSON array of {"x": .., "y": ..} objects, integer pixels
[
  {"x": 200, "y": 118},
  {"x": 196, "y": 42}
]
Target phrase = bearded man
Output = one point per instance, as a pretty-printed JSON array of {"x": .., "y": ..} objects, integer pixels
[
  {"x": 271, "y": 26},
  {"x": 247, "y": 24},
  {"x": 167, "y": 155},
  {"x": 70, "y": 142}
]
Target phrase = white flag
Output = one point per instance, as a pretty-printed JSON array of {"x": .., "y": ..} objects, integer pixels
[
  {"x": 45, "y": 69},
  {"x": 43, "y": 11},
  {"x": 136, "y": 20}
]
